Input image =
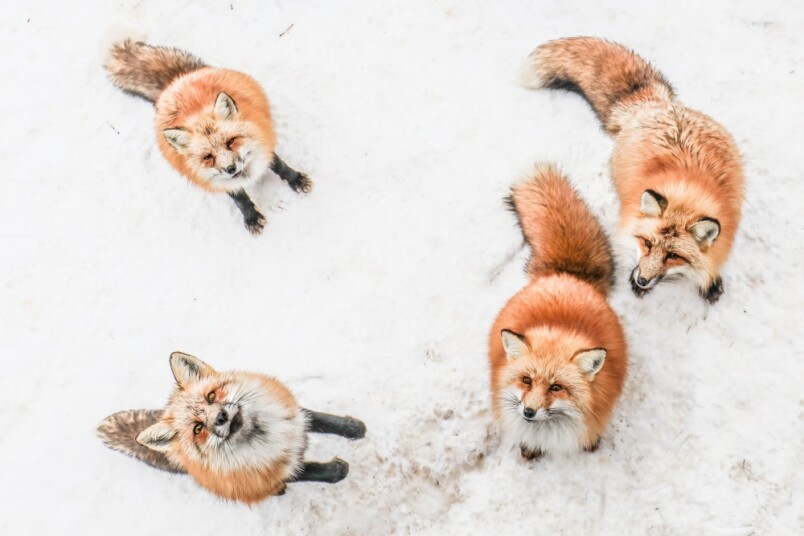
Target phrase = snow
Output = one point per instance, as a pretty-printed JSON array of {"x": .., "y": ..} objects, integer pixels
[{"x": 373, "y": 295}]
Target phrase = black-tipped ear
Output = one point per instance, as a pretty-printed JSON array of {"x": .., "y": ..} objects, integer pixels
[
  {"x": 178, "y": 138},
  {"x": 591, "y": 361},
  {"x": 225, "y": 106},
  {"x": 705, "y": 231},
  {"x": 157, "y": 437},
  {"x": 514, "y": 344},
  {"x": 653, "y": 203},
  {"x": 188, "y": 369}
]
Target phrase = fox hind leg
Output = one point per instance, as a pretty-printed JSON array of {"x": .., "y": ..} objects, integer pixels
[
  {"x": 324, "y": 423},
  {"x": 330, "y": 472},
  {"x": 300, "y": 182}
]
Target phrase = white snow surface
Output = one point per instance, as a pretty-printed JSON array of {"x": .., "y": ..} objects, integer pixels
[{"x": 373, "y": 295}]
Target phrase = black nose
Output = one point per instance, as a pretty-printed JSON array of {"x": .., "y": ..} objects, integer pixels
[
  {"x": 231, "y": 169},
  {"x": 641, "y": 281},
  {"x": 529, "y": 413},
  {"x": 221, "y": 419}
]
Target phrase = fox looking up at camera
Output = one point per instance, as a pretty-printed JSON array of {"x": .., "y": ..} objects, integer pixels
[
  {"x": 212, "y": 125},
  {"x": 678, "y": 173},
  {"x": 557, "y": 352},
  {"x": 241, "y": 435}
]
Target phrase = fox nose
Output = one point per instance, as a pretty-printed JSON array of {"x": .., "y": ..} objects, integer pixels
[
  {"x": 231, "y": 169},
  {"x": 222, "y": 417},
  {"x": 529, "y": 413},
  {"x": 642, "y": 282}
]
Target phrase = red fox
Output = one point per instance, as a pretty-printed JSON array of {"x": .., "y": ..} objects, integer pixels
[
  {"x": 241, "y": 435},
  {"x": 213, "y": 125},
  {"x": 678, "y": 173},
  {"x": 557, "y": 352}
]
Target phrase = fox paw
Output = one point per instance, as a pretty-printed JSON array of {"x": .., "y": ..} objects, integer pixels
[
  {"x": 529, "y": 454},
  {"x": 255, "y": 224},
  {"x": 338, "y": 470},
  {"x": 713, "y": 293},
  {"x": 302, "y": 184}
]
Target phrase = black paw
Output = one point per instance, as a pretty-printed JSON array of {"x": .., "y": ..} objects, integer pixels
[
  {"x": 713, "y": 293},
  {"x": 338, "y": 469},
  {"x": 354, "y": 429},
  {"x": 301, "y": 184},
  {"x": 255, "y": 224},
  {"x": 529, "y": 454}
]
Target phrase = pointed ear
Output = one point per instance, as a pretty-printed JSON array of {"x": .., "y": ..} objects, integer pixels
[
  {"x": 653, "y": 204},
  {"x": 157, "y": 437},
  {"x": 591, "y": 361},
  {"x": 188, "y": 369},
  {"x": 225, "y": 106},
  {"x": 514, "y": 344},
  {"x": 705, "y": 231},
  {"x": 178, "y": 138}
]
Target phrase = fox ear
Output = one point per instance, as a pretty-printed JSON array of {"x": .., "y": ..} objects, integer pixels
[
  {"x": 653, "y": 204},
  {"x": 178, "y": 138},
  {"x": 225, "y": 106},
  {"x": 188, "y": 369},
  {"x": 705, "y": 231},
  {"x": 591, "y": 361},
  {"x": 157, "y": 437},
  {"x": 514, "y": 344}
]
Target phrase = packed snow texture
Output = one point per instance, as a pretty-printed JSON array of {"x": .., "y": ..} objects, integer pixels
[{"x": 373, "y": 295}]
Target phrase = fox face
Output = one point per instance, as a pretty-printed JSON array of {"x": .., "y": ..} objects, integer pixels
[
  {"x": 670, "y": 244},
  {"x": 220, "y": 147},
  {"x": 545, "y": 389},
  {"x": 224, "y": 421}
]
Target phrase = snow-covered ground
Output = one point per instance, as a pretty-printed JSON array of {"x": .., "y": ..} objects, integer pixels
[{"x": 373, "y": 295}]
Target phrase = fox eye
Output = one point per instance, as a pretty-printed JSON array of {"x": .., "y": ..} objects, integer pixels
[
  {"x": 526, "y": 380},
  {"x": 211, "y": 397},
  {"x": 647, "y": 244},
  {"x": 556, "y": 387},
  {"x": 230, "y": 142},
  {"x": 197, "y": 428},
  {"x": 208, "y": 157},
  {"x": 671, "y": 256}
]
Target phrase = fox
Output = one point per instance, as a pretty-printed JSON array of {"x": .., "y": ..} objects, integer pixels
[
  {"x": 213, "y": 125},
  {"x": 241, "y": 435},
  {"x": 678, "y": 173},
  {"x": 557, "y": 351}
]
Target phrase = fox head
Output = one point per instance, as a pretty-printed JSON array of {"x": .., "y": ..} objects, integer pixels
[
  {"x": 671, "y": 242},
  {"x": 224, "y": 421},
  {"x": 220, "y": 147},
  {"x": 545, "y": 389}
]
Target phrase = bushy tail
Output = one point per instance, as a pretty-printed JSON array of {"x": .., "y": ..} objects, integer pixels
[
  {"x": 119, "y": 432},
  {"x": 145, "y": 70},
  {"x": 607, "y": 75},
  {"x": 563, "y": 235}
]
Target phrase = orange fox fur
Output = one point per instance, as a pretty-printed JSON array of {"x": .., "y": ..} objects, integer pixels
[
  {"x": 557, "y": 348},
  {"x": 678, "y": 173}
]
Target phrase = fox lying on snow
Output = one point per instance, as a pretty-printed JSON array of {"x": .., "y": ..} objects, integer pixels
[
  {"x": 213, "y": 125},
  {"x": 241, "y": 435},
  {"x": 678, "y": 173}
]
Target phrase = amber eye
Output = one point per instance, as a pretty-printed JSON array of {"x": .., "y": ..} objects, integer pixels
[
  {"x": 647, "y": 243},
  {"x": 556, "y": 388},
  {"x": 207, "y": 157},
  {"x": 198, "y": 427},
  {"x": 526, "y": 380},
  {"x": 230, "y": 142},
  {"x": 211, "y": 397}
]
